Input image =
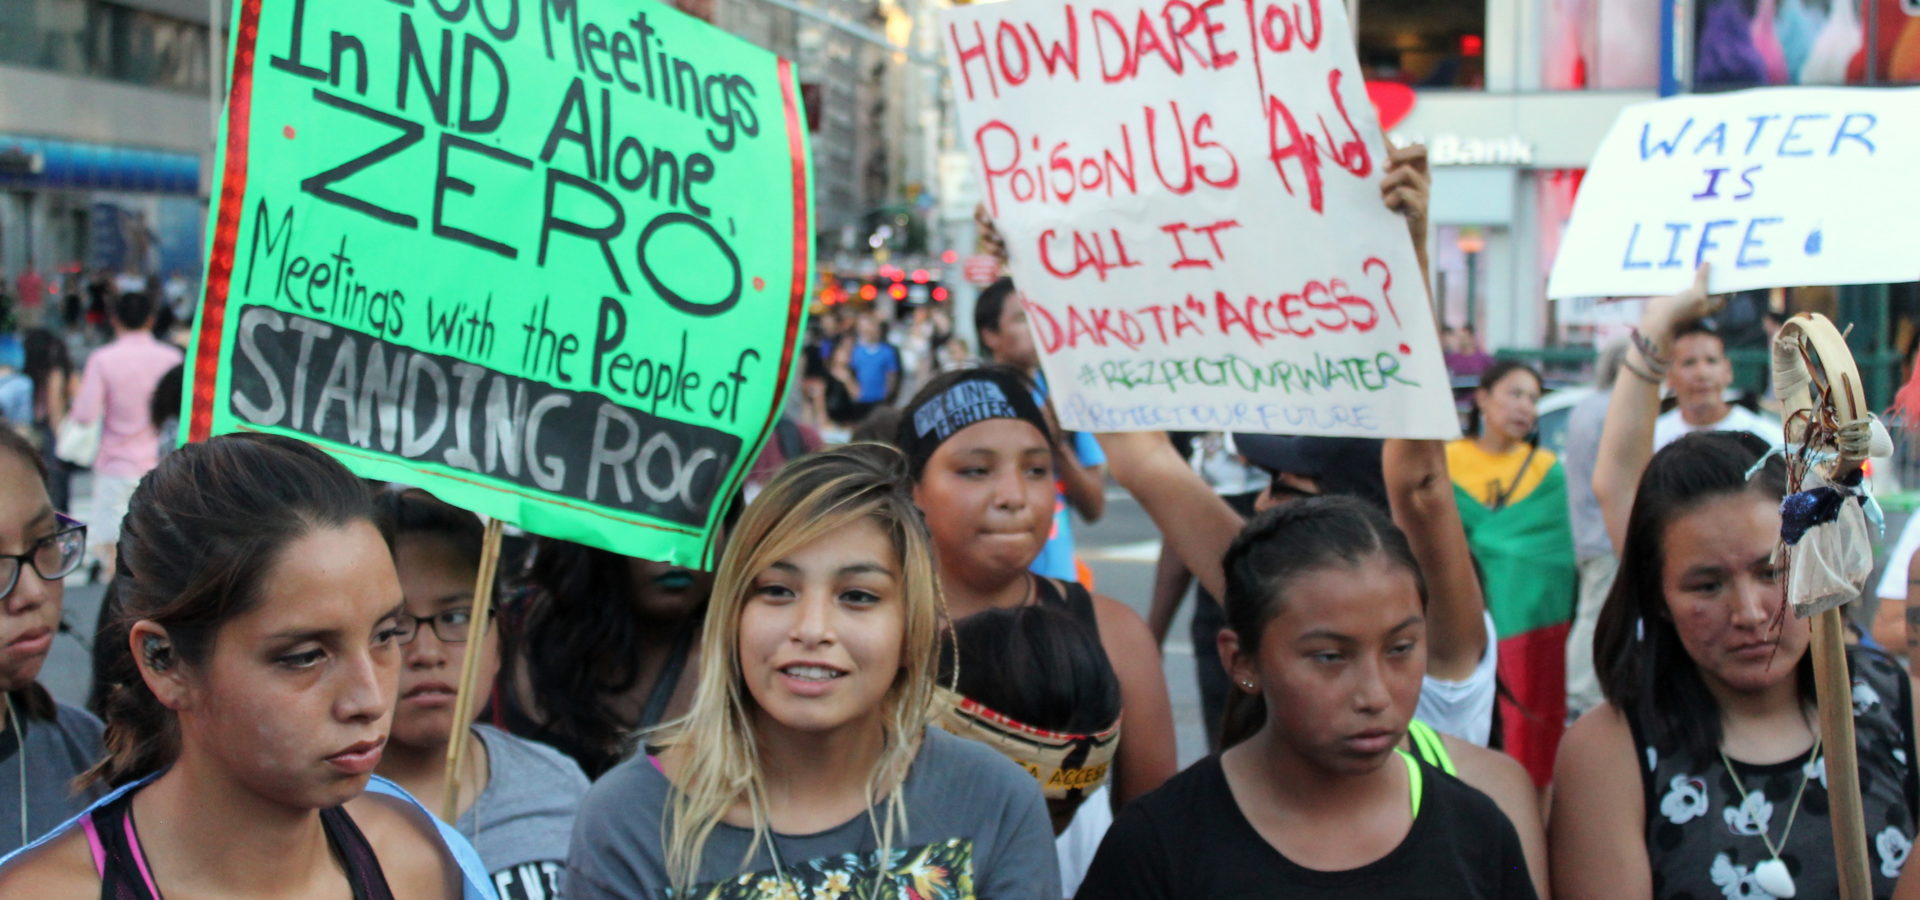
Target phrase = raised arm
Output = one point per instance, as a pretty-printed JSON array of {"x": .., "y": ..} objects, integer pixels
[
  {"x": 1420, "y": 492},
  {"x": 1626, "y": 443},
  {"x": 1192, "y": 519},
  {"x": 1419, "y": 488},
  {"x": 1086, "y": 486}
]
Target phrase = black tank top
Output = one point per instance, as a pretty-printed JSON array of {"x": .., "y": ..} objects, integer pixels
[
  {"x": 1076, "y": 600},
  {"x": 124, "y": 874},
  {"x": 1704, "y": 834}
]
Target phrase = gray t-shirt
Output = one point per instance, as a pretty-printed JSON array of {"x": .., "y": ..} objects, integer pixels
[
  {"x": 976, "y": 827},
  {"x": 56, "y": 752},
  {"x": 521, "y": 823}
]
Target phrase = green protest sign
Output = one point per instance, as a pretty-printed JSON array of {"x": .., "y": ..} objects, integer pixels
[{"x": 545, "y": 258}]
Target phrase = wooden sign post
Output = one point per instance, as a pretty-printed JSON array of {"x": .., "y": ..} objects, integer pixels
[
  {"x": 464, "y": 696},
  {"x": 1828, "y": 431}
]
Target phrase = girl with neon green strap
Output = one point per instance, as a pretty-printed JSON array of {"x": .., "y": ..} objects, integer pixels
[{"x": 1327, "y": 627}]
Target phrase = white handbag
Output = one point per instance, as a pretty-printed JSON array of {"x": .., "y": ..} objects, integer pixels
[{"x": 77, "y": 442}]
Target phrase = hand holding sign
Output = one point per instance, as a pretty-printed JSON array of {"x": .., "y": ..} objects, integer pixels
[
  {"x": 1192, "y": 201},
  {"x": 1666, "y": 314},
  {"x": 1775, "y": 187}
]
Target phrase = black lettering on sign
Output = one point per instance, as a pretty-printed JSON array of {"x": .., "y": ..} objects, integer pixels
[
  {"x": 441, "y": 410},
  {"x": 320, "y": 185},
  {"x": 674, "y": 299}
]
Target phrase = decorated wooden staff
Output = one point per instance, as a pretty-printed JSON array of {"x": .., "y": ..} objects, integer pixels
[
  {"x": 1828, "y": 553},
  {"x": 463, "y": 698}
]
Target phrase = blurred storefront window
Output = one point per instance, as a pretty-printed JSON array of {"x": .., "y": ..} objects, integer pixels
[
  {"x": 1422, "y": 43},
  {"x": 1744, "y": 43},
  {"x": 1600, "y": 44}
]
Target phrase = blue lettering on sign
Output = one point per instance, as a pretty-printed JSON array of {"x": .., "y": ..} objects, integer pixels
[
  {"x": 1798, "y": 138},
  {"x": 1795, "y": 136},
  {"x": 1081, "y": 414},
  {"x": 1750, "y": 242},
  {"x": 1793, "y": 132},
  {"x": 1665, "y": 147},
  {"x": 1843, "y": 134},
  {"x": 1628, "y": 262},
  {"x": 1706, "y": 240},
  {"x": 1717, "y": 137},
  {"x": 1688, "y": 246},
  {"x": 1679, "y": 230}
]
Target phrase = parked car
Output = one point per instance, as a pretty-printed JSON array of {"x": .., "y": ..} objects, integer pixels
[{"x": 1555, "y": 409}]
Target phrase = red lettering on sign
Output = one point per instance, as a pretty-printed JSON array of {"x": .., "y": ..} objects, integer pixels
[
  {"x": 967, "y": 55},
  {"x": 1060, "y": 53},
  {"x": 1000, "y": 36},
  {"x": 1102, "y": 253},
  {"x": 1045, "y": 326}
]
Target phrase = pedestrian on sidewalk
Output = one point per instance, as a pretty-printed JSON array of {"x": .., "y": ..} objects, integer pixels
[{"x": 116, "y": 391}]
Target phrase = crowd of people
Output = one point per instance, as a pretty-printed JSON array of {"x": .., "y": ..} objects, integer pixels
[{"x": 1429, "y": 669}]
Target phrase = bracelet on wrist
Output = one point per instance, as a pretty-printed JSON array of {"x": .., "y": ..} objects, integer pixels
[
  {"x": 1651, "y": 353},
  {"x": 1648, "y": 377}
]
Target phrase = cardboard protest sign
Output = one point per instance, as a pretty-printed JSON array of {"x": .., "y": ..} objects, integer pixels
[
  {"x": 1190, "y": 197},
  {"x": 546, "y": 260},
  {"x": 1775, "y": 187}
]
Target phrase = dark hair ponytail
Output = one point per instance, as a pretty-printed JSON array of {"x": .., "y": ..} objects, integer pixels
[
  {"x": 201, "y": 532},
  {"x": 1283, "y": 543}
]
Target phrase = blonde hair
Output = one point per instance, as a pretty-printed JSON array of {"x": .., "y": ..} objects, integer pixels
[{"x": 811, "y": 499}]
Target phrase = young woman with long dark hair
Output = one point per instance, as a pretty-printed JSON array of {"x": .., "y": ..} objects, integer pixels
[
  {"x": 1703, "y": 773},
  {"x": 1326, "y": 615},
  {"x": 251, "y": 706},
  {"x": 604, "y": 643}
]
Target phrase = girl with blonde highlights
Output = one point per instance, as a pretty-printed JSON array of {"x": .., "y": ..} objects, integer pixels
[{"x": 807, "y": 762}]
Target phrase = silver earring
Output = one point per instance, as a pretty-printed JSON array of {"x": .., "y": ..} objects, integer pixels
[{"x": 1247, "y": 684}]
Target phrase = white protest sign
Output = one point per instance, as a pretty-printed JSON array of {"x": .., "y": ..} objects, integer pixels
[
  {"x": 1775, "y": 187},
  {"x": 1190, "y": 198}
]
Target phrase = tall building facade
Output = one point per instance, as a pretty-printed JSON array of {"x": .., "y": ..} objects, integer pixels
[{"x": 106, "y": 130}]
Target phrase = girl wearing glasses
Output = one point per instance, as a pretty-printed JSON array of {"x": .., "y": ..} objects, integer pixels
[
  {"x": 261, "y": 615},
  {"x": 43, "y": 744},
  {"x": 516, "y": 797},
  {"x": 807, "y": 766}
]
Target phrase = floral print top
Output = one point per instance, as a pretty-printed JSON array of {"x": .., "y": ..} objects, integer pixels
[
  {"x": 1704, "y": 838},
  {"x": 942, "y": 871}
]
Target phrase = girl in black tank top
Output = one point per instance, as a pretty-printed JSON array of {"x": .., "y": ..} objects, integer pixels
[
  {"x": 254, "y": 684},
  {"x": 124, "y": 874}
]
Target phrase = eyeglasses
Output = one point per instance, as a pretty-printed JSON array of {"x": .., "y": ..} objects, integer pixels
[
  {"x": 450, "y": 626},
  {"x": 53, "y": 557}
]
